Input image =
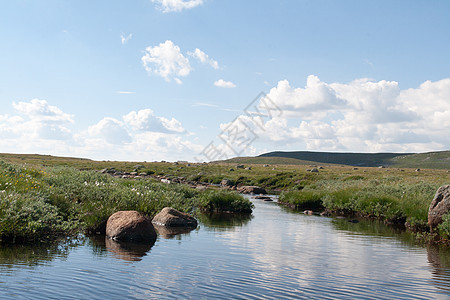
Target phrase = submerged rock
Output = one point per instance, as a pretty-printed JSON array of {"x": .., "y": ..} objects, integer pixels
[
  {"x": 439, "y": 206},
  {"x": 171, "y": 217},
  {"x": 130, "y": 226}
]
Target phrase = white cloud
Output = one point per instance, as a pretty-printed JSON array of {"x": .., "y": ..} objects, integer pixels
[
  {"x": 42, "y": 128},
  {"x": 145, "y": 120},
  {"x": 37, "y": 120},
  {"x": 360, "y": 116},
  {"x": 224, "y": 84},
  {"x": 315, "y": 96},
  {"x": 124, "y": 39},
  {"x": 40, "y": 110},
  {"x": 111, "y": 130},
  {"x": 204, "y": 58},
  {"x": 177, "y": 5},
  {"x": 167, "y": 61},
  {"x": 125, "y": 92}
]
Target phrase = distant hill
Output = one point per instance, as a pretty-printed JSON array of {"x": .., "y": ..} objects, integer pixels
[
  {"x": 269, "y": 161},
  {"x": 430, "y": 160},
  {"x": 352, "y": 159}
]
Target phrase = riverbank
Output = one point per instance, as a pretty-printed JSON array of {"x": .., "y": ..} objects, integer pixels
[
  {"x": 88, "y": 197},
  {"x": 38, "y": 204}
]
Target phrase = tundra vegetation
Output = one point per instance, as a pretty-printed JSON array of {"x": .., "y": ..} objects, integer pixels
[
  {"x": 45, "y": 196},
  {"x": 43, "y": 203}
]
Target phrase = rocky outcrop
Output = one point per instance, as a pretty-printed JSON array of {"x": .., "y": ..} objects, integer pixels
[
  {"x": 171, "y": 217},
  {"x": 131, "y": 226},
  {"x": 250, "y": 189},
  {"x": 439, "y": 206}
]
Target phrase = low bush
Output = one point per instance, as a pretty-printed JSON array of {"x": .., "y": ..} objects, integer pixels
[
  {"x": 224, "y": 201},
  {"x": 28, "y": 217},
  {"x": 303, "y": 200},
  {"x": 444, "y": 227}
]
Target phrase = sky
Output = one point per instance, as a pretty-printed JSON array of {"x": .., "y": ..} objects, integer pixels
[{"x": 201, "y": 80}]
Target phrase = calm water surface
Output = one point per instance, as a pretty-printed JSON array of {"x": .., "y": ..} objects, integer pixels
[{"x": 275, "y": 254}]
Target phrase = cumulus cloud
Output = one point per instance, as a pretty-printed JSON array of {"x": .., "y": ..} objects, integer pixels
[
  {"x": 40, "y": 110},
  {"x": 315, "y": 96},
  {"x": 177, "y": 5},
  {"x": 145, "y": 120},
  {"x": 224, "y": 84},
  {"x": 110, "y": 129},
  {"x": 37, "y": 120},
  {"x": 204, "y": 58},
  {"x": 167, "y": 61},
  {"x": 40, "y": 127},
  {"x": 362, "y": 115}
]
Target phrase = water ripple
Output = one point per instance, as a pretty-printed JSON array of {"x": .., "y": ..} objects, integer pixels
[{"x": 275, "y": 255}]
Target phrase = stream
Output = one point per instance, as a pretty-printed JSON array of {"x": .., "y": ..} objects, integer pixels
[{"x": 275, "y": 253}]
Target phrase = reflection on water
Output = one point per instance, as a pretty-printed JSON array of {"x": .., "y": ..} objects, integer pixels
[
  {"x": 36, "y": 254},
  {"x": 273, "y": 254},
  {"x": 127, "y": 251},
  {"x": 439, "y": 259},
  {"x": 373, "y": 228},
  {"x": 172, "y": 232},
  {"x": 223, "y": 222}
]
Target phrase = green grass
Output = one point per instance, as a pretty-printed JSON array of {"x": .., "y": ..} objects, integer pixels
[
  {"x": 303, "y": 200},
  {"x": 391, "y": 194},
  {"x": 38, "y": 204},
  {"x": 224, "y": 201},
  {"x": 431, "y": 160}
]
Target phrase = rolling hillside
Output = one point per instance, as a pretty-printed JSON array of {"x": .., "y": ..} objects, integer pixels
[
  {"x": 430, "y": 160},
  {"x": 351, "y": 159}
]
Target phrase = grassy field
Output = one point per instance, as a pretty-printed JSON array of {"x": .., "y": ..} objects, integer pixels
[
  {"x": 431, "y": 160},
  {"x": 40, "y": 203},
  {"x": 395, "y": 195}
]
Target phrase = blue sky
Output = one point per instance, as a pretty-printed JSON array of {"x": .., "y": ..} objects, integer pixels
[{"x": 171, "y": 79}]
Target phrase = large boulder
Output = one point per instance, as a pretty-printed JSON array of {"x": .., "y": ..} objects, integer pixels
[
  {"x": 130, "y": 226},
  {"x": 250, "y": 189},
  {"x": 439, "y": 206},
  {"x": 171, "y": 217}
]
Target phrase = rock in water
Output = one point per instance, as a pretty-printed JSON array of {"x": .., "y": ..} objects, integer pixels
[
  {"x": 439, "y": 206},
  {"x": 171, "y": 217},
  {"x": 248, "y": 189},
  {"x": 130, "y": 226}
]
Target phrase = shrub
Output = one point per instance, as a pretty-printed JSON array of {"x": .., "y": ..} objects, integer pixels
[
  {"x": 224, "y": 201},
  {"x": 29, "y": 217},
  {"x": 444, "y": 227},
  {"x": 311, "y": 200}
]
